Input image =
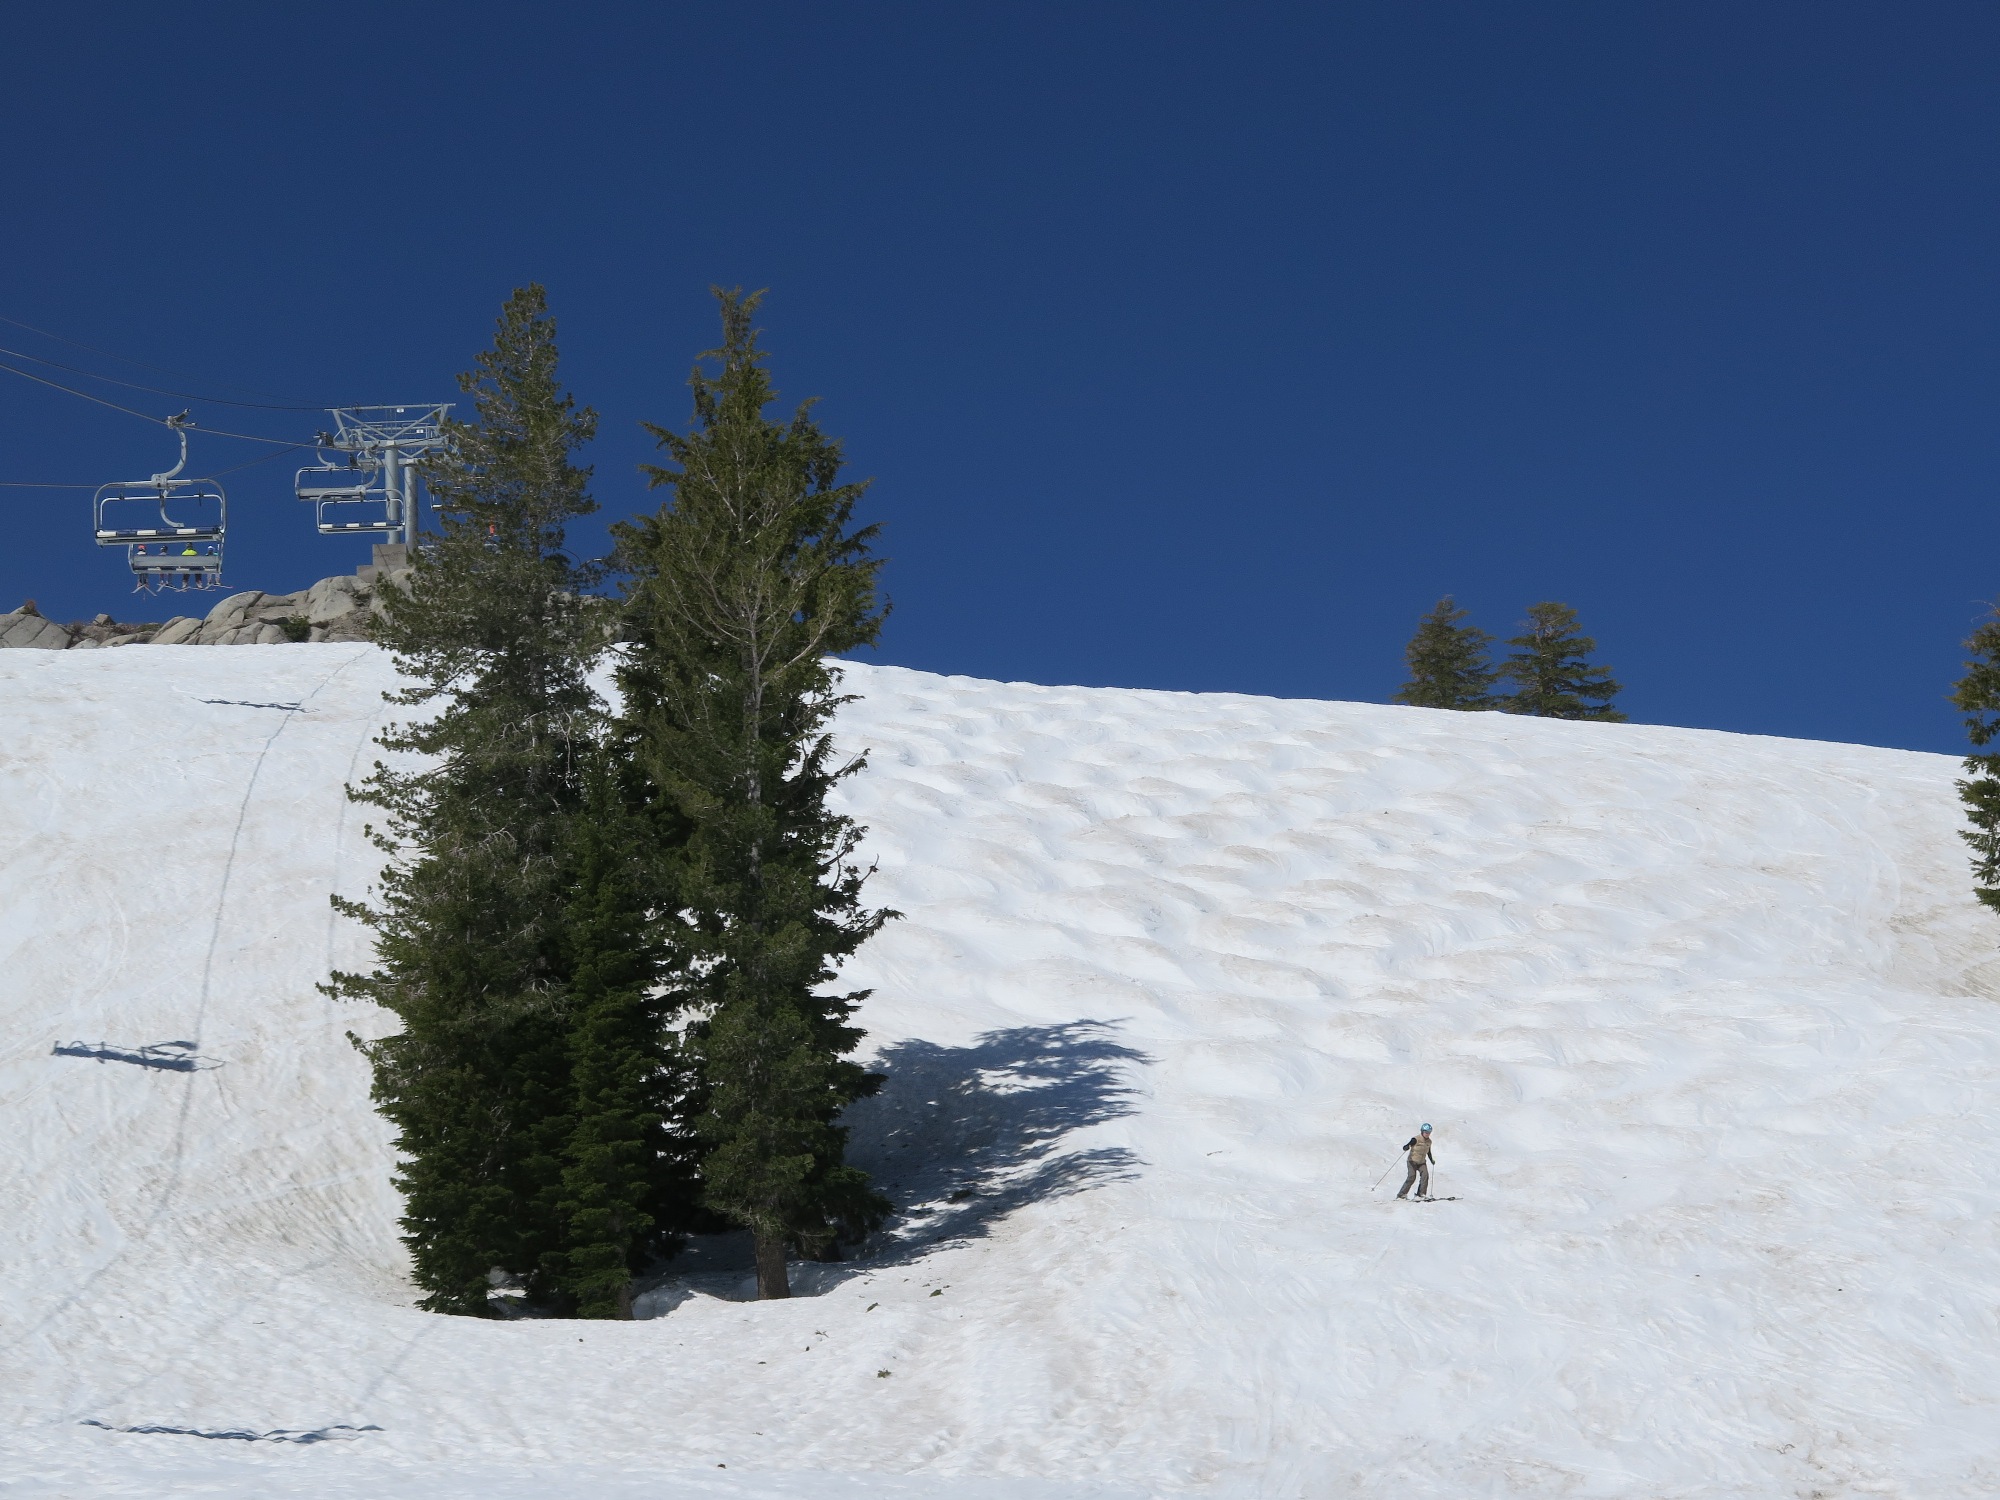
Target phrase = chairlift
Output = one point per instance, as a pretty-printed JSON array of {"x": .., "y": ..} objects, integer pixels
[
  {"x": 343, "y": 493},
  {"x": 364, "y": 478},
  {"x": 183, "y": 550}
]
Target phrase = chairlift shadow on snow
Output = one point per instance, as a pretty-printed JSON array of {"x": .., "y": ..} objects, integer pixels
[
  {"x": 335, "y": 1433},
  {"x": 958, "y": 1139},
  {"x": 169, "y": 1057}
]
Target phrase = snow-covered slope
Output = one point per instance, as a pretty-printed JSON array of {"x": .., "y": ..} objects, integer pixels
[{"x": 1705, "y": 1023}]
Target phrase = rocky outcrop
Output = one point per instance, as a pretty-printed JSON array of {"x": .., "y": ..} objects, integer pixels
[
  {"x": 334, "y": 609},
  {"x": 24, "y": 627}
]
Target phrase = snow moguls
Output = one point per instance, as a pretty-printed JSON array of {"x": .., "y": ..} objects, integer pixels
[
  {"x": 1708, "y": 1020},
  {"x": 339, "y": 1432}
]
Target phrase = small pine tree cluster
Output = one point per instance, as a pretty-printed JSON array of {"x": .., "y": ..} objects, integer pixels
[
  {"x": 1550, "y": 669},
  {"x": 1978, "y": 697},
  {"x": 606, "y": 935}
]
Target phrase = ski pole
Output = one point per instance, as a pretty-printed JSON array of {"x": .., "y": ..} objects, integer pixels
[{"x": 1385, "y": 1173}]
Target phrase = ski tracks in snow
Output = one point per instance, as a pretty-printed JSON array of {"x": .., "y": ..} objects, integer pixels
[{"x": 166, "y": 1173}]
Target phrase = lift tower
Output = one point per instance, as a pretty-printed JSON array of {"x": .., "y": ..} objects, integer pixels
[{"x": 371, "y": 483}]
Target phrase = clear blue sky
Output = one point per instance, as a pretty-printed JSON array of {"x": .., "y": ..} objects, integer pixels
[{"x": 1190, "y": 346}]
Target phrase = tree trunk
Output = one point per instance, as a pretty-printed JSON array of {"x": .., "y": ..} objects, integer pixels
[{"x": 771, "y": 1280}]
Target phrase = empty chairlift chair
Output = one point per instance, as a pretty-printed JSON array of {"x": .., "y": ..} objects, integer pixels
[
  {"x": 346, "y": 495},
  {"x": 365, "y": 479},
  {"x": 172, "y": 529}
]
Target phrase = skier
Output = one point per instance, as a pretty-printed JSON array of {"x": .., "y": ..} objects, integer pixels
[{"x": 1419, "y": 1147}]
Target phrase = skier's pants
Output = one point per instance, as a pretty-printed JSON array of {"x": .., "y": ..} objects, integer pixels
[{"x": 1420, "y": 1174}]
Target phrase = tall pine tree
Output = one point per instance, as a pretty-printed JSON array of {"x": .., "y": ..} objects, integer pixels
[
  {"x": 1978, "y": 697},
  {"x": 740, "y": 591},
  {"x": 1449, "y": 667},
  {"x": 473, "y": 957},
  {"x": 1552, "y": 673}
]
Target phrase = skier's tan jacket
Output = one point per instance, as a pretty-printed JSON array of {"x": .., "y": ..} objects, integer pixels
[{"x": 1420, "y": 1150}]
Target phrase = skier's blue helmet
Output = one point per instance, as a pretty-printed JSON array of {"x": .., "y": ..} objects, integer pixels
[{"x": 1427, "y": 1130}]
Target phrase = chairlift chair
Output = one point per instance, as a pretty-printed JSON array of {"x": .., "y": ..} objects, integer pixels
[
  {"x": 372, "y": 458},
  {"x": 334, "y": 490},
  {"x": 179, "y": 551}
]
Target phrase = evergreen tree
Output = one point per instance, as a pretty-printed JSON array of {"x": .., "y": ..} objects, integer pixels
[
  {"x": 1978, "y": 697},
  {"x": 740, "y": 591},
  {"x": 1449, "y": 667},
  {"x": 627, "y": 1177},
  {"x": 496, "y": 636},
  {"x": 1552, "y": 673}
]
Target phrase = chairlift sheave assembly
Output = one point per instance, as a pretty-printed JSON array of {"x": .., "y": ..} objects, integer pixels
[
  {"x": 366, "y": 477},
  {"x": 182, "y": 549}
]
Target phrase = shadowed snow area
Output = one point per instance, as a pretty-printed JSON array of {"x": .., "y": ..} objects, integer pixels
[{"x": 1705, "y": 1024}]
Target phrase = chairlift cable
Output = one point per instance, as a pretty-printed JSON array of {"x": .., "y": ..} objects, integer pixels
[
  {"x": 26, "y": 484},
  {"x": 260, "y": 459},
  {"x": 249, "y": 463},
  {"x": 124, "y": 359},
  {"x": 283, "y": 445},
  {"x": 248, "y": 437},
  {"x": 40, "y": 380},
  {"x": 133, "y": 385}
]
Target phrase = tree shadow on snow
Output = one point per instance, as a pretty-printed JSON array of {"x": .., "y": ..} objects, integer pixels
[{"x": 959, "y": 1138}]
